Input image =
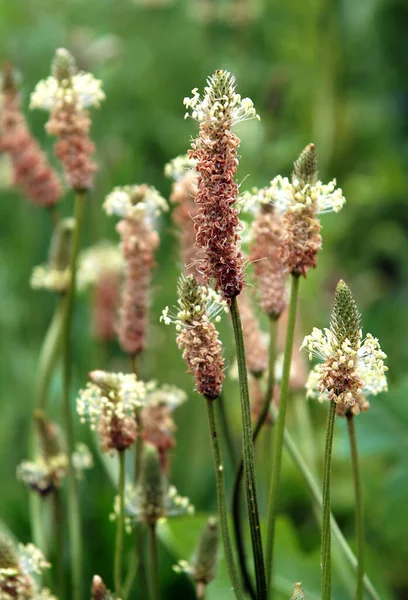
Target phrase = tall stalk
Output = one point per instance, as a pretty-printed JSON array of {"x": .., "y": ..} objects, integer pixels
[
  {"x": 314, "y": 489},
  {"x": 236, "y": 499},
  {"x": 325, "y": 557},
  {"x": 154, "y": 563},
  {"x": 59, "y": 533},
  {"x": 248, "y": 456},
  {"x": 222, "y": 502},
  {"x": 359, "y": 515},
  {"x": 120, "y": 525},
  {"x": 48, "y": 359},
  {"x": 74, "y": 523},
  {"x": 280, "y": 429},
  {"x": 226, "y": 430}
]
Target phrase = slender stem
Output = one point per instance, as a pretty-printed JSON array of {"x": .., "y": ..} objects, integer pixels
[
  {"x": 359, "y": 506},
  {"x": 222, "y": 502},
  {"x": 154, "y": 563},
  {"x": 248, "y": 456},
  {"x": 325, "y": 558},
  {"x": 46, "y": 366},
  {"x": 59, "y": 532},
  {"x": 314, "y": 490},
  {"x": 120, "y": 526},
  {"x": 226, "y": 430},
  {"x": 236, "y": 498},
  {"x": 74, "y": 518},
  {"x": 280, "y": 429}
]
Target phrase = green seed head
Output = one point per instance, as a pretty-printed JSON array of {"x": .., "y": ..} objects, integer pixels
[
  {"x": 305, "y": 167},
  {"x": 63, "y": 66},
  {"x": 345, "y": 318},
  {"x": 190, "y": 295},
  {"x": 60, "y": 249},
  {"x": 206, "y": 557}
]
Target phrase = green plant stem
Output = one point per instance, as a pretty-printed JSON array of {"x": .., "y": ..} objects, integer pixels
[
  {"x": 59, "y": 533},
  {"x": 48, "y": 359},
  {"x": 325, "y": 559},
  {"x": 154, "y": 563},
  {"x": 248, "y": 456},
  {"x": 236, "y": 498},
  {"x": 74, "y": 519},
  {"x": 120, "y": 525},
  {"x": 226, "y": 430},
  {"x": 222, "y": 502},
  {"x": 280, "y": 429},
  {"x": 359, "y": 506},
  {"x": 314, "y": 489}
]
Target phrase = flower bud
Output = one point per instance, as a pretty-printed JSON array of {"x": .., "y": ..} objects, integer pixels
[
  {"x": 204, "y": 564},
  {"x": 63, "y": 66},
  {"x": 61, "y": 243},
  {"x": 152, "y": 487},
  {"x": 305, "y": 167},
  {"x": 298, "y": 593}
]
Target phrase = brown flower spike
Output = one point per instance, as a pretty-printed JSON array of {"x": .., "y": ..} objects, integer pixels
[
  {"x": 198, "y": 336},
  {"x": 32, "y": 173},
  {"x": 67, "y": 94},
  {"x": 215, "y": 150}
]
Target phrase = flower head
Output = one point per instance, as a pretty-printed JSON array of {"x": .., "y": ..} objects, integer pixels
[
  {"x": 99, "y": 590},
  {"x": 137, "y": 202},
  {"x": 352, "y": 367},
  {"x": 109, "y": 403},
  {"x": 203, "y": 566},
  {"x": 216, "y": 221},
  {"x": 17, "y": 567},
  {"x": 152, "y": 499},
  {"x": 198, "y": 336}
]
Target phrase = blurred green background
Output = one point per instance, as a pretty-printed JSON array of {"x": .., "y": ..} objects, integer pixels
[{"x": 329, "y": 72}]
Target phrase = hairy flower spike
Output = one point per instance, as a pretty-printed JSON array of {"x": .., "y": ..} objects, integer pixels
[
  {"x": 215, "y": 150},
  {"x": 109, "y": 403},
  {"x": 198, "y": 336},
  {"x": 31, "y": 170},
  {"x": 352, "y": 367},
  {"x": 299, "y": 202},
  {"x": 67, "y": 94}
]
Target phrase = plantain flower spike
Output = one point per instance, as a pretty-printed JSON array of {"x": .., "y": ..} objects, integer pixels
[
  {"x": 215, "y": 150},
  {"x": 298, "y": 593},
  {"x": 198, "y": 336},
  {"x": 203, "y": 567},
  {"x": 152, "y": 499},
  {"x": 300, "y": 201},
  {"x": 352, "y": 368},
  {"x": 17, "y": 567},
  {"x": 55, "y": 275},
  {"x": 31, "y": 170},
  {"x": 67, "y": 94},
  {"x": 99, "y": 591},
  {"x": 109, "y": 403}
]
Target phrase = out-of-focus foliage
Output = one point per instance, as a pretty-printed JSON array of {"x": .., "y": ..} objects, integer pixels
[{"x": 329, "y": 72}]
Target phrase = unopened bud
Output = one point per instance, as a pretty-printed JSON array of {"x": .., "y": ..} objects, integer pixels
[
  {"x": 298, "y": 593},
  {"x": 50, "y": 436},
  {"x": 61, "y": 245},
  {"x": 345, "y": 318},
  {"x": 305, "y": 167},
  {"x": 152, "y": 487},
  {"x": 63, "y": 66},
  {"x": 8, "y": 554},
  {"x": 99, "y": 590},
  {"x": 206, "y": 558}
]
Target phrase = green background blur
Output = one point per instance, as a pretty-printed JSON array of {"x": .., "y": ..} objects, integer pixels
[{"x": 329, "y": 72}]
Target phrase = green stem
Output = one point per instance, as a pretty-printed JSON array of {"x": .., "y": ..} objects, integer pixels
[
  {"x": 120, "y": 526},
  {"x": 359, "y": 506},
  {"x": 325, "y": 558},
  {"x": 222, "y": 502},
  {"x": 46, "y": 366},
  {"x": 154, "y": 563},
  {"x": 236, "y": 499},
  {"x": 248, "y": 456},
  {"x": 314, "y": 490},
  {"x": 74, "y": 519},
  {"x": 226, "y": 430},
  {"x": 280, "y": 429},
  {"x": 59, "y": 533}
]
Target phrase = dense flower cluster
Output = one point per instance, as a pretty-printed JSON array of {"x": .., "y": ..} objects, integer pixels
[
  {"x": 67, "y": 94},
  {"x": 138, "y": 206},
  {"x": 32, "y": 173},
  {"x": 198, "y": 336},
  {"x": 215, "y": 150},
  {"x": 352, "y": 367},
  {"x": 109, "y": 403}
]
